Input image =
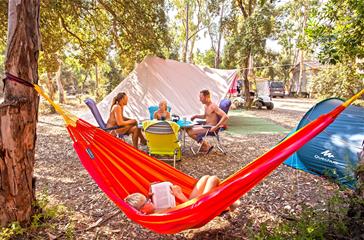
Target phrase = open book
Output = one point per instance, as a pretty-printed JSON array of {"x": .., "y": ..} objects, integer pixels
[{"x": 162, "y": 195}]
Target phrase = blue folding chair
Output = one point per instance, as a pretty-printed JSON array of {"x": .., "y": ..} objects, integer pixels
[
  {"x": 96, "y": 113},
  {"x": 225, "y": 106},
  {"x": 153, "y": 109}
]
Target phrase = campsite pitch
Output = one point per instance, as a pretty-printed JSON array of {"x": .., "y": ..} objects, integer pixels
[{"x": 286, "y": 191}]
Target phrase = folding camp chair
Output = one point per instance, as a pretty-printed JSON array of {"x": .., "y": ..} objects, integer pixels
[
  {"x": 153, "y": 109},
  {"x": 225, "y": 106},
  {"x": 162, "y": 139},
  {"x": 96, "y": 113}
]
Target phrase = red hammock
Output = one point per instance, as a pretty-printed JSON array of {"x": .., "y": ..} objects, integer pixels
[{"x": 119, "y": 170}]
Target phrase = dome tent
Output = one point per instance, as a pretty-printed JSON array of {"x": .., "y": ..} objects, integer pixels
[{"x": 334, "y": 152}]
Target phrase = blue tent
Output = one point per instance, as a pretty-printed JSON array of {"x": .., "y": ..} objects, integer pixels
[{"x": 334, "y": 152}]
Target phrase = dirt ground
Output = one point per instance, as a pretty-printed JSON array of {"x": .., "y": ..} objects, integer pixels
[{"x": 285, "y": 192}]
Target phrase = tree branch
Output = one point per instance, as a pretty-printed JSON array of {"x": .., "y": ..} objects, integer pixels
[
  {"x": 242, "y": 8},
  {"x": 69, "y": 31}
]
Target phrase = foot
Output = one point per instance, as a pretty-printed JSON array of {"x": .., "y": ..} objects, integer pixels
[
  {"x": 143, "y": 142},
  {"x": 235, "y": 205},
  {"x": 205, "y": 147},
  {"x": 209, "y": 150}
]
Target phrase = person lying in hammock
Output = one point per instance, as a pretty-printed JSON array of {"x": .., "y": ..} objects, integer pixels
[
  {"x": 162, "y": 113},
  {"x": 117, "y": 118},
  {"x": 204, "y": 185}
]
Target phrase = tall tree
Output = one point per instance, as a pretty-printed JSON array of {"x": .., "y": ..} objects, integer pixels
[
  {"x": 18, "y": 114},
  {"x": 189, "y": 20},
  {"x": 216, "y": 13},
  {"x": 249, "y": 26}
]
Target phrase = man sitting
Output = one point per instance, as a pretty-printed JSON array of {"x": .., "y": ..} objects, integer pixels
[{"x": 212, "y": 115}]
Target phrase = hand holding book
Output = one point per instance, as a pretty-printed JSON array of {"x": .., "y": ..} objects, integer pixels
[{"x": 177, "y": 192}]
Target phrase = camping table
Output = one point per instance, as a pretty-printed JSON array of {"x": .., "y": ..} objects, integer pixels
[{"x": 184, "y": 125}]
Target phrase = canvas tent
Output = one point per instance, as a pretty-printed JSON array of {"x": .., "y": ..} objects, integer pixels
[
  {"x": 179, "y": 83},
  {"x": 334, "y": 152}
]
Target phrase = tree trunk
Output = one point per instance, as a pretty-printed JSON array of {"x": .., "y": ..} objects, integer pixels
[
  {"x": 190, "y": 57},
  {"x": 18, "y": 114},
  {"x": 248, "y": 100},
  {"x": 50, "y": 87},
  {"x": 59, "y": 84},
  {"x": 300, "y": 77},
  {"x": 217, "y": 57},
  {"x": 185, "y": 49},
  {"x": 97, "y": 82},
  {"x": 302, "y": 66}
]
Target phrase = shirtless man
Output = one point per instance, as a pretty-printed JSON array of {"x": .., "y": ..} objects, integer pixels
[{"x": 212, "y": 115}]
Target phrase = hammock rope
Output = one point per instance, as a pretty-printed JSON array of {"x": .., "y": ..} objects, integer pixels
[{"x": 119, "y": 169}]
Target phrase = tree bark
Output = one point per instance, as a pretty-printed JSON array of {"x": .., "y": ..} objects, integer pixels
[
  {"x": 185, "y": 49},
  {"x": 51, "y": 90},
  {"x": 248, "y": 100},
  {"x": 18, "y": 114},
  {"x": 59, "y": 83},
  {"x": 97, "y": 93},
  {"x": 300, "y": 77},
  {"x": 217, "y": 57}
]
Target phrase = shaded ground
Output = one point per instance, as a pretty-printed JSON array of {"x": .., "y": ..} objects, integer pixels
[{"x": 284, "y": 192}]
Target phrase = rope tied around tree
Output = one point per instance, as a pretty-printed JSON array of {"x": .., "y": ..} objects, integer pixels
[
  {"x": 11, "y": 77},
  {"x": 69, "y": 118}
]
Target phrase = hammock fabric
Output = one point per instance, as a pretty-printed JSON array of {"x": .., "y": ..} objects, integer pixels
[{"x": 119, "y": 170}]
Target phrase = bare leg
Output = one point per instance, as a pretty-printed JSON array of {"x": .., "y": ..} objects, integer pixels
[
  {"x": 134, "y": 131},
  {"x": 195, "y": 132},
  {"x": 141, "y": 136},
  {"x": 199, "y": 187},
  {"x": 212, "y": 182},
  {"x": 204, "y": 185}
]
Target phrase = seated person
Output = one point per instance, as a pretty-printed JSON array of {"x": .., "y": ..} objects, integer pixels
[
  {"x": 162, "y": 112},
  {"x": 116, "y": 118},
  {"x": 204, "y": 185},
  {"x": 212, "y": 115}
]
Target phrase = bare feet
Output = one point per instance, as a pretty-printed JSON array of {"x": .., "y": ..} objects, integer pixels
[{"x": 235, "y": 205}]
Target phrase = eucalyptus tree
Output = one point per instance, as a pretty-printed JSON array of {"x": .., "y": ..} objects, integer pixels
[
  {"x": 217, "y": 12},
  {"x": 250, "y": 24},
  {"x": 18, "y": 114},
  {"x": 189, "y": 19},
  {"x": 87, "y": 30},
  {"x": 291, "y": 24},
  {"x": 138, "y": 28}
]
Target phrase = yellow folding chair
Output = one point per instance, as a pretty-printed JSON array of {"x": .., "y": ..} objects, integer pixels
[{"x": 162, "y": 139}]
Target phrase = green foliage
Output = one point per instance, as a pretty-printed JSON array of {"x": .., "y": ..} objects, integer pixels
[
  {"x": 333, "y": 222},
  {"x": 41, "y": 219},
  {"x": 3, "y": 22},
  {"x": 13, "y": 230},
  {"x": 206, "y": 58},
  {"x": 337, "y": 28},
  {"x": 245, "y": 35},
  {"x": 341, "y": 81}
]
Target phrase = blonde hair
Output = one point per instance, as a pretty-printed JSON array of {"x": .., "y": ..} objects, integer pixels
[
  {"x": 165, "y": 104},
  {"x": 136, "y": 200}
]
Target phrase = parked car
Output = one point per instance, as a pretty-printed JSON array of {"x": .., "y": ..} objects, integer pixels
[{"x": 276, "y": 89}]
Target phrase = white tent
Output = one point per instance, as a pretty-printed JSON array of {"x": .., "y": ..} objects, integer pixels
[{"x": 179, "y": 83}]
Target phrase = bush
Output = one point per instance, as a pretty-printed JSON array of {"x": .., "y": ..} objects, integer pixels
[
  {"x": 337, "y": 81},
  {"x": 339, "y": 220}
]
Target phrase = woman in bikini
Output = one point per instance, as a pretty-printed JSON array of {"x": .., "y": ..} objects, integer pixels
[{"x": 128, "y": 126}]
